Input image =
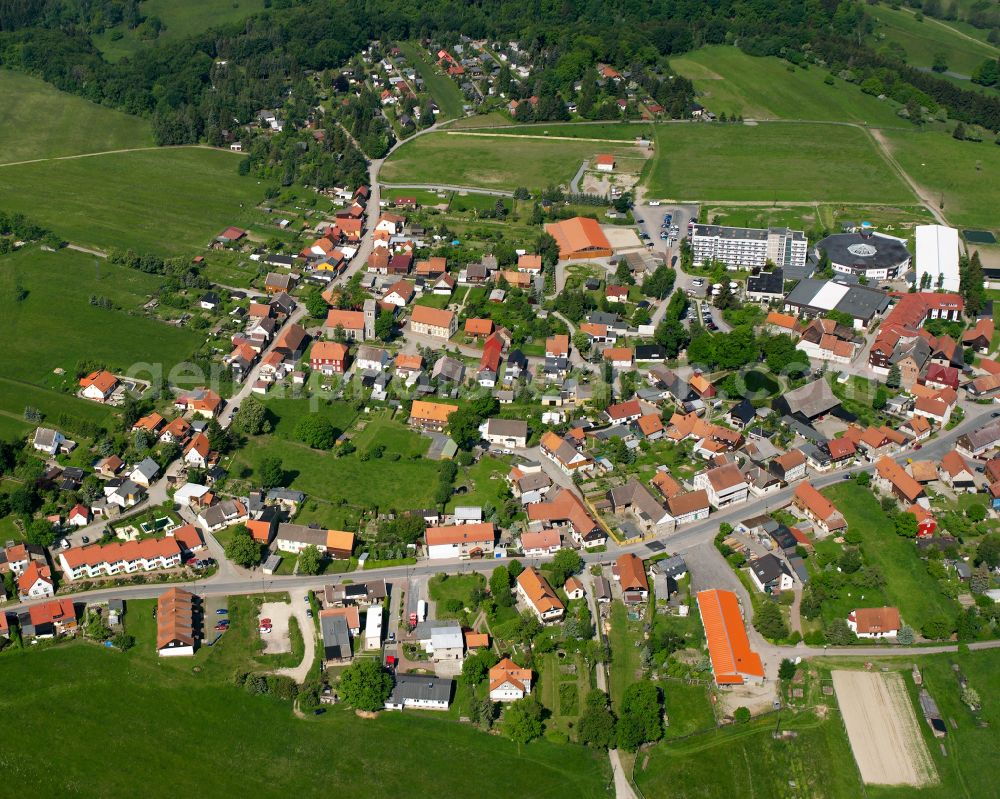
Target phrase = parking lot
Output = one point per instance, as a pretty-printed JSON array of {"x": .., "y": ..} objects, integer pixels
[
  {"x": 278, "y": 640},
  {"x": 211, "y": 604}
]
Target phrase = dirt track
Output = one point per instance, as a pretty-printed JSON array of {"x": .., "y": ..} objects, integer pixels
[{"x": 883, "y": 729}]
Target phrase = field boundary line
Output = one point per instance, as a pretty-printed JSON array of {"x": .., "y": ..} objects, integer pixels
[
  {"x": 123, "y": 150},
  {"x": 624, "y": 142}
]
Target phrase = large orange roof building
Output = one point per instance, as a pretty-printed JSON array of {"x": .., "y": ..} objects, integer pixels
[
  {"x": 580, "y": 237},
  {"x": 733, "y": 661}
]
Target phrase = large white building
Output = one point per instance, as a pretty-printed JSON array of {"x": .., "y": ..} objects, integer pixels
[
  {"x": 937, "y": 256},
  {"x": 739, "y": 247}
]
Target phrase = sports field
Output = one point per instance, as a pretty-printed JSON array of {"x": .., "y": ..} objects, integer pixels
[
  {"x": 169, "y": 201},
  {"x": 194, "y": 734},
  {"x": 180, "y": 18},
  {"x": 39, "y": 121},
  {"x": 54, "y": 325},
  {"x": 494, "y": 162},
  {"x": 730, "y": 81},
  {"x": 961, "y": 173},
  {"x": 923, "y": 40},
  {"x": 772, "y": 161}
]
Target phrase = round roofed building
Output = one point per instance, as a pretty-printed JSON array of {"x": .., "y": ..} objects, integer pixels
[{"x": 874, "y": 256}]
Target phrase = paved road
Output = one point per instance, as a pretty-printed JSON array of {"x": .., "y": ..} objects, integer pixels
[{"x": 448, "y": 187}]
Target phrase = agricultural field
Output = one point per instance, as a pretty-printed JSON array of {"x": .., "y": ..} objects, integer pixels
[
  {"x": 908, "y": 585},
  {"x": 747, "y": 760},
  {"x": 772, "y": 162},
  {"x": 180, "y": 18},
  {"x": 168, "y": 201},
  {"x": 961, "y": 174},
  {"x": 69, "y": 696},
  {"x": 71, "y": 126},
  {"x": 440, "y": 86},
  {"x": 731, "y": 82},
  {"x": 55, "y": 325},
  {"x": 494, "y": 161},
  {"x": 923, "y": 40}
]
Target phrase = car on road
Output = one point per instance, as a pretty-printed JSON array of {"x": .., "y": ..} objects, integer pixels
[
  {"x": 222, "y": 612},
  {"x": 392, "y": 638},
  {"x": 645, "y": 235},
  {"x": 673, "y": 261},
  {"x": 918, "y": 446},
  {"x": 309, "y": 613},
  {"x": 664, "y": 236}
]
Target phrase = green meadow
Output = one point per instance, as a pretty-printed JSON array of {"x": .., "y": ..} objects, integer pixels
[
  {"x": 170, "y": 201},
  {"x": 772, "y": 161},
  {"x": 39, "y": 121}
]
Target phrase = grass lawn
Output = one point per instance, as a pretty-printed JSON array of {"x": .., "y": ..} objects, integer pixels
[
  {"x": 731, "y": 82},
  {"x": 433, "y": 300},
  {"x": 687, "y": 707},
  {"x": 961, "y": 173},
  {"x": 492, "y": 162},
  {"x": 901, "y": 219},
  {"x": 484, "y": 482},
  {"x": 454, "y": 586},
  {"x": 286, "y": 413},
  {"x": 908, "y": 585},
  {"x": 169, "y": 201},
  {"x": 409, "y": 482},
  {"x": 42, "y": 122},
  {"x": 772, "y": 162},
  {"x": 745, "y": 760},
  {"x": 440, "y": 86},
  {"x": 71, "y": 695},
  {"x": 181, "y": 18},
  {"x": 625, "y": 667},
  {"x": 923, "y": 40},
  {"x": 56, "y": 326}
]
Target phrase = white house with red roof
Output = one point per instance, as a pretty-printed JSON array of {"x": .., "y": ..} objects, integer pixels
[{"x": 36, "y": 582}]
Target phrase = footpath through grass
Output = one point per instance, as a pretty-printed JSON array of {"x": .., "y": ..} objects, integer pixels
[
  {"x": 908, "y": 585},
  {"x": 731, "y": 82},
  {"x": 192, "y": 733},
  {"x": 39, "y": 121},
  {"x": 169, "y": 201},
  {"x": 960, "y": 174},
  {"x": 771, "y": 162}
]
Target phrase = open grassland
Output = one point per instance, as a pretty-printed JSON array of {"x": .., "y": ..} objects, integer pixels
[
  {"x": 39, "y": 121},
  {"x": 169, "y": 201},
  {"x": 67, "y": 698},
  {"x": 625, "y": 667},
  {"x": 772, "y": 162},
  {"x": 923, "y": 40},
  {"x": 54, "y": 324},
  {"x": 963, "y": 174},
  {"x": 180, "y": 18},
  {"x": 730, "y": 81},
  {"x": 493, "y": 162},
  {"x": 908, "y": 585},
  {"x": 409, "y": 482},
  {"x": 441, "y": 87},
  {"x": 746, "y": 760}
]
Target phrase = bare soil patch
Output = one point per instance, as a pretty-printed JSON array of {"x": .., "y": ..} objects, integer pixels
[{"x": 883, "y": 729}]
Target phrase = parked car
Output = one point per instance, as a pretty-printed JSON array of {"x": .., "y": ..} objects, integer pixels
[
  {"x": 698, "y": 281},
  {"x": 309, "y": 613},
  {"x": 265, "y": 622},
  {"x": 85, "y": 539},
  {"x": 222, "y": 612},
  {"x": 221, "y": 627},
  {"x": 654, "y": 202}
]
